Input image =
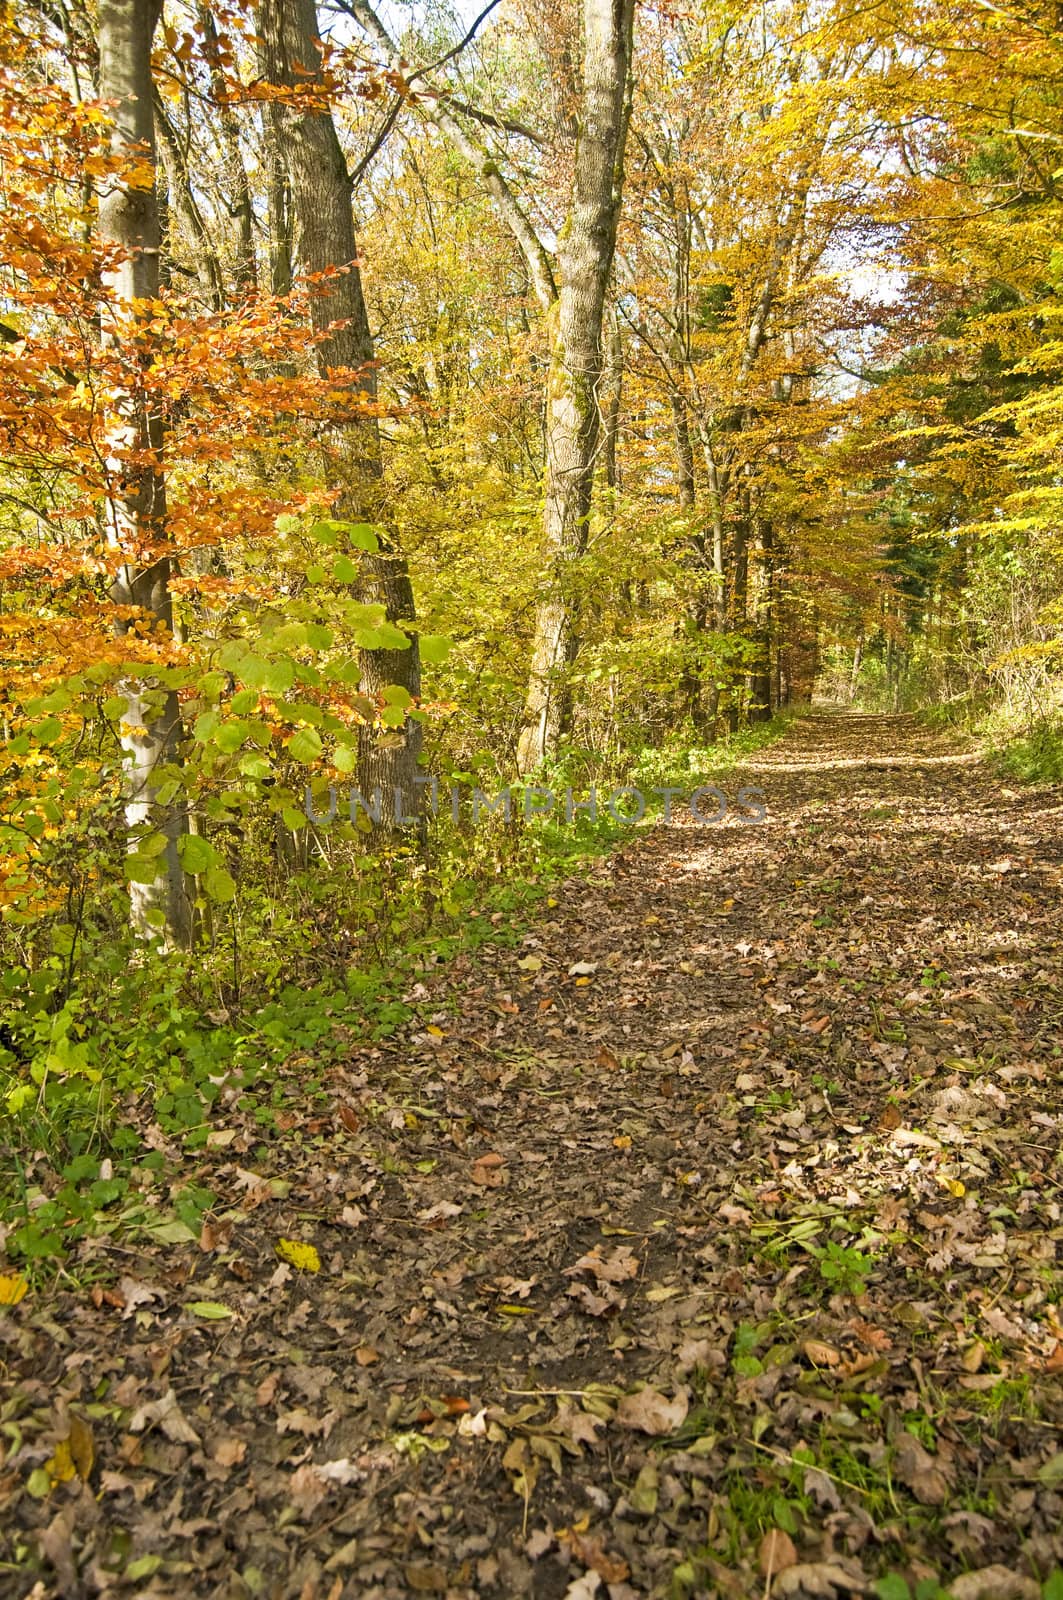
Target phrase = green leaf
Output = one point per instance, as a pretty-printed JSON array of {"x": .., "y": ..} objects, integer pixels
[
  {"x": 305, "y": 746},
  {"x": 892, "y": 1587},
  {"x": 253, "y": 671},
  {"x": 392, "y": 638},
  {"x": 153, "y": 845},
  {"x": 230, "y": 736},
  {"x": 344, "y": 570},
  {"x": 292, "y": 636},
  {"x": 345, "y": 758},
  {"x": 303, "y": 711},
  {"x": 196, "y": 853},
  {"x": 395, "y": 695},
  {"x": 172, "y": 1232},
  {"x": 287, "y": 523},
  {"x": 142, "y": 1567},
  {"x": 141, "y": 869},
  {"x": 363, "y": 536},
  {"x": 279, "y": 677},
  {"x": 209, "y": 1310},
  {"x": 255, "y": 765},
  {"x": 219, "y": 886},
  {"x": 48, "y": 731},
  {"x": 435, "y": 648}
]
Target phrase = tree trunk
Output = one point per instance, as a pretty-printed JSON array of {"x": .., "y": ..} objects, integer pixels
[
  {"x": 612, "y": 391},
  {"x": 321, "y": 203},
  {"x": 854, "y": 678},
  {"x": 242, "y": 208},
  {"x": 573, "y": 425},
  {"x": 136, "y": 502},
  {"x": 760, "y": 679}
]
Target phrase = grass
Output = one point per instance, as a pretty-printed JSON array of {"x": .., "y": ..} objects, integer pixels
[{"x": 1034, "y": 757}]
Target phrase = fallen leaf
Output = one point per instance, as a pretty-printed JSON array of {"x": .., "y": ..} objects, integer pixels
[
  {"x": 304, "y": 1257},
  {"x": 994, "y": 1583},
  {"x": 589, "y": 1551},
  {"x": 74, "y": 1455},
  {"x": 918, "y": 1470},
  {"x": 13, "y": 1288},
  {"x": 488, "y": 1171},
  {"x": 818, "y": 1580},
  {"x": 230, "y": 1452},
  {"x": 776, "y": 1552},
  {"x": 209, "y": 1310},
  {"x": 820, "y": 1354},
  {"x": 621, "y": 1265},
  {"x": 167, "y": 1415},
  {"x": 652, "y": 1412}
]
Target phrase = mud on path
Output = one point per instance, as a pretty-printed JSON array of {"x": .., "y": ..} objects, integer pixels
[{"x": 763, "y": 1119}]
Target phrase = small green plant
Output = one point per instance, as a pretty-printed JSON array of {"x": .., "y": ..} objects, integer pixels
[{"x": 844, "y": 1268}]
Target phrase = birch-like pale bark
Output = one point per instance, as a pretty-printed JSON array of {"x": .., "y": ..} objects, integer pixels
[{"x": 136, "y": 503}]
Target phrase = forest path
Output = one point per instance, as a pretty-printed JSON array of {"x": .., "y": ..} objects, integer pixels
[{"x": 785, "y": 1150}]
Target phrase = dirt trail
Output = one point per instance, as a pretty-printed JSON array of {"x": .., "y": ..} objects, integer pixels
[{"x": 783, "y": 1147}]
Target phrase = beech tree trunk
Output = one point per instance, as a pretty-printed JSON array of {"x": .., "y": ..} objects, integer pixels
[
  {"x": 136, "y": 502},
  {"x": 573, "y": 418},
  {"x": 321, "y": 203}
]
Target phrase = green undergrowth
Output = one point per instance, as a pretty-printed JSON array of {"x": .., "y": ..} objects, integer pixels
[
  {"x": 1024, "y": 752},
  {"x": 107, "y": 1049},
  {"x": 1034, "y": 757}
]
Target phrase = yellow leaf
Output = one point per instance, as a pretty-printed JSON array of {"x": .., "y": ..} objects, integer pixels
[
  {"x": 622, "y": 1141},
  {"x": 953, "y": 1185},
  {"x": 303, "y": 1256},
  {"x": 61, "y": 1467},
  {"x": 74, "y": 1455},
  {"x": 13, "y": 1287}
]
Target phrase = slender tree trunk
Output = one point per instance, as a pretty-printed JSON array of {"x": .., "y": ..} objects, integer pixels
[
  {"x": 136, "y": 504},
  {"x": 612, "y": 388},
  {"x": 573, "y": 427},
  {"x": 760, "y": 679},
  {"x": 182, "y": 199},
  {"x": 321, "y": 202},
  {"x": 241, "y": 208}
]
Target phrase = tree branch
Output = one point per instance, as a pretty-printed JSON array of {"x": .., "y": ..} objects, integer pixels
[{"x": 508, "y": 206}]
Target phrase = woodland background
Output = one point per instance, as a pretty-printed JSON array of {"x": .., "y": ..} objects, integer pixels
[{"x": 562, "y": 392}]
